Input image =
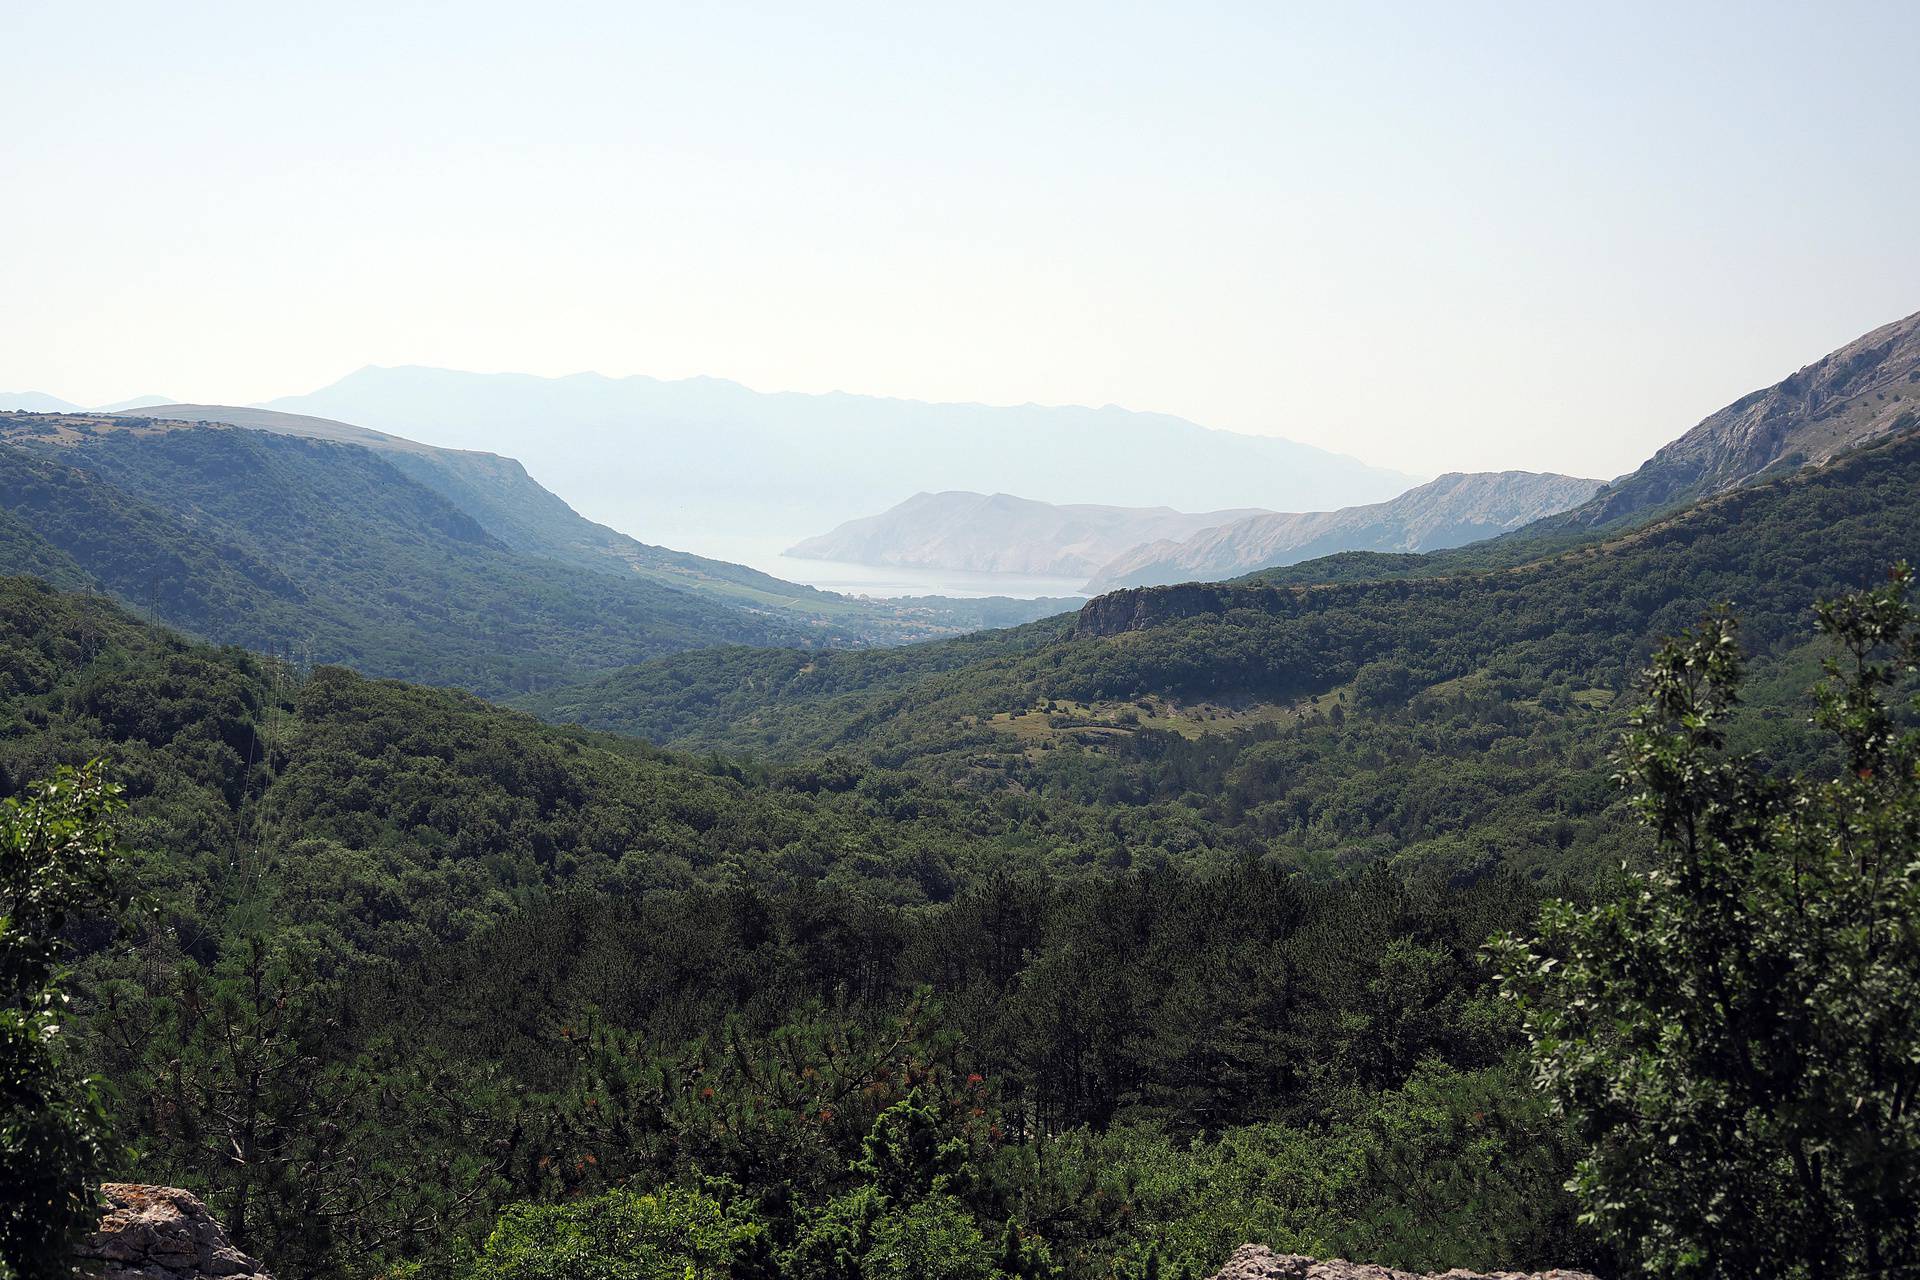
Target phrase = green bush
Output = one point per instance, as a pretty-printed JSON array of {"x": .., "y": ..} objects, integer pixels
[
  {"x": 933, "y": 1239},
  {"x": 865, "y": 1236},
  {"x": 1737, "y": 1039},
  {"x": 57, "y": 864},
  {"x": 671, "y": 1234}
]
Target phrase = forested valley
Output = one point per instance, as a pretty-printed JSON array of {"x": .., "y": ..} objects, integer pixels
[
  {"x": 910, "y": 642},
  {"x": 1070, "y": 951}
]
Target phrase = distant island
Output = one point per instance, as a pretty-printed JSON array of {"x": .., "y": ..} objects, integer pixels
[{"x": 1151, "y": 546}]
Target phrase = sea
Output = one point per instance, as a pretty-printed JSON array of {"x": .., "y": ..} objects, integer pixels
[{"x": 883, "y": 582}]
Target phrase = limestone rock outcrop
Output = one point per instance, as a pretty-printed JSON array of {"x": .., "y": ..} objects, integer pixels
[
  {"x": 1861, "y": 392},
  {"x": 162, "y": 1233},
  {"x": 1257, "y": 1262}
]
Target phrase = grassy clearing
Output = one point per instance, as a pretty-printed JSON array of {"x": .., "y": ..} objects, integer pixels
[{"x": 1091, "y": 724}]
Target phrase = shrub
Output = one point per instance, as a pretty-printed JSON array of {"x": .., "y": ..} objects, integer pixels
[
  {"x": 57, "y": 862},
  {"x": 1737, "y": 1038},
  {"x": 671, "y": 1234}
]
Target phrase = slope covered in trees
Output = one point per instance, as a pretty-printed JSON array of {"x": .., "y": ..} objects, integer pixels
[
  {"x": 505, "y": 501},
  {"x": 1075, "y": 969},
  {"x": 435, "y": 565},
  {"x": 1517, "y": 615},
  {"x": 283, "y": 542},
  {"x": 414, "y": 958},
  {"x": 1089, "y": 949}
]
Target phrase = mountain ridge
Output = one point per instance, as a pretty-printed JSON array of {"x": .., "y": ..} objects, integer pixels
[
  {"x": 35, "y": 402},
  {"x": 266, "y": 539},
  {"x": 1586, "y": 610},
  {"x": 1450, "y": 511},
  {"x": 530, "y": 518},
  {"x": 673, "y": 459},
  {"x": 1860, "y": 391}
]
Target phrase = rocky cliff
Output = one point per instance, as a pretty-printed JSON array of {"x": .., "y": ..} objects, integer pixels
[
  {"x": 162, "y": 1233},
  {"x": 1257, "y": 1262},
  {"x": 1140, "y": 607},
  {"x": 1863, "y": 391}
]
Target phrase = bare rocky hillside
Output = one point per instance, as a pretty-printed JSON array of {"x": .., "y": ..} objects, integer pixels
[{"x": 1866, "y": 389}]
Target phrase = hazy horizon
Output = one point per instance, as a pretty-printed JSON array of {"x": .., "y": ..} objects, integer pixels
[
  {"x": 147, "y": 399},
  {"x": 1475, "y": 239}
]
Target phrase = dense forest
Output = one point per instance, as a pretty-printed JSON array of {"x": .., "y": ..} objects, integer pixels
[
  {"x": 389, "y": 929},
  {"x": 1376, "y": 862},
  {"x": 401, "y": 960},
  {"x": 1084, "y": 949}
]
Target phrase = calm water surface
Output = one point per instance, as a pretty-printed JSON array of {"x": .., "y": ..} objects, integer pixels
[{"x": 882, "y": 581}]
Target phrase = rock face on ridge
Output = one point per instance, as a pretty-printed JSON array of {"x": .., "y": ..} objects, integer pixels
[
  {"x": 1866, "y": 389},
  {"x": 162, "y": 1233},
  {"x": 1257, "y": 1262},
  {"x": 1457, "y": 508}
]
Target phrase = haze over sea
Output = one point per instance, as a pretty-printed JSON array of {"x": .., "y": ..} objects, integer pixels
[{"x": 882, "y": 582}]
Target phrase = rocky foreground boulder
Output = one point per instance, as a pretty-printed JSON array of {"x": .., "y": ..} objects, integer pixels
[
  {"x": 1257, "y": 1262},
  {"x": 162, "y": 1233}
]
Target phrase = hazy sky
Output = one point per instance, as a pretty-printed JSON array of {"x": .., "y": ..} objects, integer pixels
[{"x": 1432, "y": 235}]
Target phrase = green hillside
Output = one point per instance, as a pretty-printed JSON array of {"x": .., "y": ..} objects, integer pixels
[
  {"x": 505, "y": 501},
  {"x": 328, "y": 550},
  {"x": 1451, "y": 724},
  {"x": 424, "y": 957},
  {"x": 483, "y": 947},
  {"x": 1572, "y": 618},
  {"x": 1076, "y": 950}
]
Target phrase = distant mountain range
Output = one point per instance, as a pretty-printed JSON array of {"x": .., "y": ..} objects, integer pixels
[
  {"x": 453, "y": 565},
  {"x": 999, "y": 533},
  {"x": 676, "y": 461},
  {"x": 40, "y": 402},
  {"x": 1863, "y": 391},
  {"x": 1579, "y": 612},
  {"x": 34, "y": 402},
  {"x": 1452, "y": 511}
]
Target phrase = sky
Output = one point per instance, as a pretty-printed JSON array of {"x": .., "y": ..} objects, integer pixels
[{"x": 1436, "y": 237}]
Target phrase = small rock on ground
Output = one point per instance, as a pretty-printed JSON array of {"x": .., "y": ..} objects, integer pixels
[{"x": 1257, "y": 1262}]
